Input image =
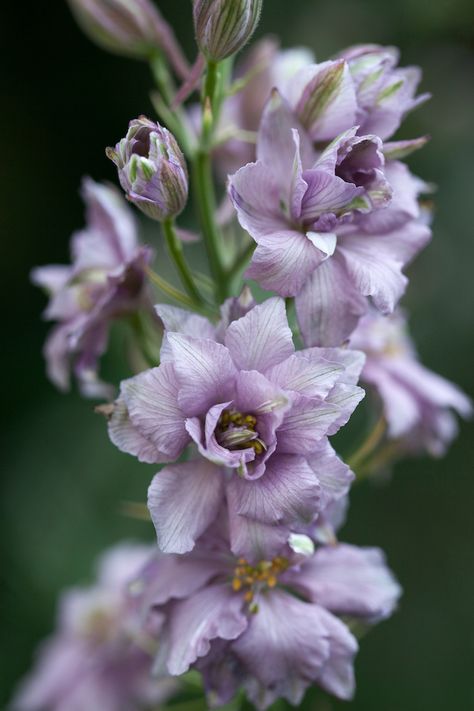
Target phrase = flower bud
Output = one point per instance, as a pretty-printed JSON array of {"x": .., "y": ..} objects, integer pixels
[
  {"x": 151, "y": 169},
  {"x": 130, "y": 27},
  {"x": 224, "y": 26}
]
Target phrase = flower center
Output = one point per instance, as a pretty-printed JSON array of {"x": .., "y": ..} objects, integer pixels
[
  {"x": 238, "y": 431},
  {"x": 252, "y": 579}
]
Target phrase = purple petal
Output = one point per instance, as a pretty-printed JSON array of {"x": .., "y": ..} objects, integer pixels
[
  {"x": 286, "y": 493},
  {"x": 180, "y": 321},
  {"x": 283, "y": 261},
  {"x": 346, "y": 398},
  {"x": 324, "y": 99},
  {"x": 152, "y": 402},
  {"x": 335, "y": 477},
  {"x": 128, "y": 438},
  {"x": 306, "y": 373},
  {"x": 328, "y": 306},
  {"x": 261, "y": 338},
  {"x": 348, "y": 580},
  {"x": 326, "y": 193},
  {"x": 212, "y": 613},
  {"x": 308, "y": 420},
  {"x": 205, "y": 372},
  {"x": 183, "y": 500},
  {"x": 350, "y": 362}
]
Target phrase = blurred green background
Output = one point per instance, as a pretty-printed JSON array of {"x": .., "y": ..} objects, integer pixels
[{"x": 63, "y": 102}]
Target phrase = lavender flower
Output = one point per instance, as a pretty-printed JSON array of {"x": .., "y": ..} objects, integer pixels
[
  {"x": 417, "y": 403},
  {"x": 129, "y": 27},
  {"x": 151, "y": 169},
  {"x": 99, "y": 657},
  {"x": 332, "y": 229},
  {"x": 270, "y": 626},
  {"x": 223, "y": 27},
  {"x": 258, "y": 413},
  {"x": 104, "y": 282},
  {"x": 384, "y": 92}
]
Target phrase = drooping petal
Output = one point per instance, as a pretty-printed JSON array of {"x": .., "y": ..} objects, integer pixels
[
  {"x": 205, "y": 372},
  {"x": 348, "y": 580},
  {"x": 286, "y": 647},
  {"x": 337, "y": 676},
  {"x": 346, "y": 398},
  {"x": 152, "y": 402},
  {"x": 333, "y": 475},
  {"x": 283, "y": 261},
  {"x": 261, "y": 338},
  {"x": 128, "y": 438},
  {"x": 328, "y": 306},
  {"x": 212, "y": 613},
  {"x": 183, "y": 500},
  {"x": 288, "y": 492}
]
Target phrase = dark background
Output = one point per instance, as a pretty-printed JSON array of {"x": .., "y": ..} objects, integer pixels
[{"x": 63, "y": 101}]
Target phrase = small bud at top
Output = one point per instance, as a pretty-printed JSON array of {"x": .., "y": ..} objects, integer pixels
[
  {"x": 130, "y": 27},
  {"x": 151, "y": 169},
  {"x": 223, "y": 27}
]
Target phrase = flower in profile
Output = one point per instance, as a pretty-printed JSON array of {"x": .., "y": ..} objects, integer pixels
[
  {"x": 332, "y": 229},
  {"x": 151, "y": 169},
  {"x": 417, "y": 403},
  {"x": 105, "y": 281},
  {"x": 100, "y": 656},
  {"x": 269, "y": 626},
  {"x": 223, "y": 27},
  {"x": 257, "y": 412},
  {"x": 129, "y": 27},
  {"x": 385, "y": 93}
]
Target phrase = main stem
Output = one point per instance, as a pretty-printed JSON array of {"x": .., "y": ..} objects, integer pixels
[
  {"x": 206, "y": 202},
  {"x": 203, "y": 180},
  {"x": 175, "y": 249}
]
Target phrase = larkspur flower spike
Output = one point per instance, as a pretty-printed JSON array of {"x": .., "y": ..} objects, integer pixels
[
  {"x": 151, "y": 169},
  {"x": 223, "y": 27}
]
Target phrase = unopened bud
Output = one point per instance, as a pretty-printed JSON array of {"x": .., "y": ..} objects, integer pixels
[
  {"x": 151, "y": 169},
  {"x": 223, "y": 27},
  {"x": 130, "y": 27}
]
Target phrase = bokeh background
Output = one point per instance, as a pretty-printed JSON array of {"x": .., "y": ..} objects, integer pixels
[{"x": 63, "y": 101}]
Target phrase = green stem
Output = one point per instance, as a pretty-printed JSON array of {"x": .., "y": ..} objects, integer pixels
[
  {"x": 175, "y": 249},
  {"x": 173, "y": 293},
  {"x": 369, "y": 445},
  {"x": 206, "y": 203}
]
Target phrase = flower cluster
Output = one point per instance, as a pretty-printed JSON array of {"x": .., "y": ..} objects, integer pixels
[
  {"x": 248, "y": 583},
  {"x": 100, "y": 655}
]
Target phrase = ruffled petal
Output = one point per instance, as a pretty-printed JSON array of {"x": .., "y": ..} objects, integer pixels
[
  {"x": 205, "y": 372},
  {"x": 212, "y": 613},
  {"x": 261, "y": 338},
  {"x": 152, "y": 402},
  {"x": 288, "y": 492},
  {"x": 183, "y": 500}
]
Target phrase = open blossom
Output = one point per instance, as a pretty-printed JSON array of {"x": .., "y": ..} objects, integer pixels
[
  {"x": 104, "y": 281},
  {"x": 268, "y": 626},
  {"x": 99, "y": 657},
  {"x": 332, "y": 229},
  {"x": 151, "y": 169},
  {"x": 417, "y": 403},
  {"x": 257, "y": 412}
]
